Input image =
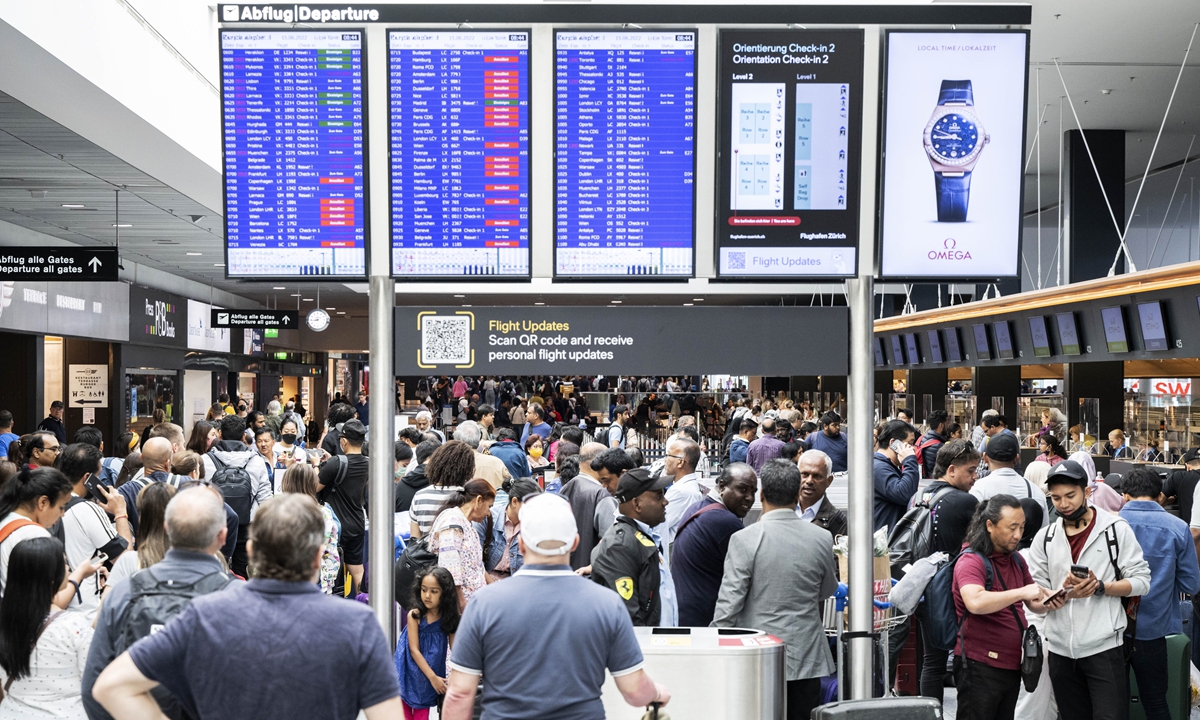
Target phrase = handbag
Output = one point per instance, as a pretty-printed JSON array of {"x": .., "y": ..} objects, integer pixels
[{"x": 1031, "y": 645}]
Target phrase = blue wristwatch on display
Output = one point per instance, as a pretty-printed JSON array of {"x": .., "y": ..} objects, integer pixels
[{"x": 953, "y": 140}]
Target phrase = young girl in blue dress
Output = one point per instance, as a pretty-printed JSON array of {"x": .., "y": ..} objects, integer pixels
[{"x": 425, "y": 641}]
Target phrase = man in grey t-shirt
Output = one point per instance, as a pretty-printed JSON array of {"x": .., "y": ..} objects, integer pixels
[{"x": 542, "y": 639}]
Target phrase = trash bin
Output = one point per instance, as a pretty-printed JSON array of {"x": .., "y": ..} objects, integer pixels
[{"x": 727, "y": 673}]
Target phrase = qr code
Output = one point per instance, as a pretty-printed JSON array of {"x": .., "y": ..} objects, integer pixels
[
  {"x": 737, "y": 261},
  {"x": 446, "y": 340}
]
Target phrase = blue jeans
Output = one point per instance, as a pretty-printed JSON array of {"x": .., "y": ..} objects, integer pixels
[{"x": 1150, "y": 668}]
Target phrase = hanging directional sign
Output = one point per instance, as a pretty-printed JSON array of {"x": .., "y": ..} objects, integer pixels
[
  {"x": 285, "y": 319},
  {"x": 73, "y": 264}
]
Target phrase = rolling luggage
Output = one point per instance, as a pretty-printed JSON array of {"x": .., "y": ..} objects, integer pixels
[
  {"x": 888, "y": 708},
  {"x": 1179, "y": 656}
]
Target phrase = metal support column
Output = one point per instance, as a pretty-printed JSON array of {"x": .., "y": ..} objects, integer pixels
[
  {"x": 382, "y": 433},
  {"x": 861, "y": 393}
]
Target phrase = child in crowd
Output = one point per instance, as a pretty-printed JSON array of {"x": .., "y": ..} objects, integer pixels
[{"x": 424, "y": 642}]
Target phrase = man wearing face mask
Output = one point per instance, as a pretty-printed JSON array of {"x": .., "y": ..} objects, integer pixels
[
  {"x": 702, "y": 539},
  {"x": 1096, "y": 557}
]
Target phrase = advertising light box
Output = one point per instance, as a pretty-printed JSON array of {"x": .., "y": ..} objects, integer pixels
[
  {"x": 790, "y": 115},
  {"x": 954, "y": 144}
]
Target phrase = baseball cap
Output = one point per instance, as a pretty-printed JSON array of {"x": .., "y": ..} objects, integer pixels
[
  {"x": 637, "y": 481},
  {"x": 547, "y": 524},
  {"x": 1191, "y": 456},
  {"x": 354, "y": 431},
  {"x": 1068, "y": 471},
  {"x": 56, "y": 405},
  {"x": 1003, "y": 447}
]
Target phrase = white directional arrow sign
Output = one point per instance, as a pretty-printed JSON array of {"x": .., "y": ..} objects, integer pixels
[{"x": 95, "y": 264}]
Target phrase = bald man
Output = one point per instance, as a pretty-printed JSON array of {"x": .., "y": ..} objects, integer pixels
[
  {"x": 587, "y": 497},
  {"x": 156, "y": 467},
  {"x": 196, "y": 526}
]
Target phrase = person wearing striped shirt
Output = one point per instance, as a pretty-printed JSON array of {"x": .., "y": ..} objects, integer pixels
[{"x": 448, "y": 469}]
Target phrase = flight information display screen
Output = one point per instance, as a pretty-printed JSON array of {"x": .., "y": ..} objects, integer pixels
[
  {"x": 294, "y": 151},
  {"x": 625, "y": 161},
  {"x": 459, "y": 129},
  {"x": 790, "y": 116}
]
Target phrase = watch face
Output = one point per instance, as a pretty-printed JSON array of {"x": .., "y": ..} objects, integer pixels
[{"x": 954, "y": 137}]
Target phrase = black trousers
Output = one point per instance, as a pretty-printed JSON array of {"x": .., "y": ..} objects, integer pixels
[
  {"x": 802, "y": 697},
  {"x": 985, "y": 692},
  {"x": 241, "y": 559},
  {"x": 1150, "y": 668},
  {"x": 1091, "y": 688}
]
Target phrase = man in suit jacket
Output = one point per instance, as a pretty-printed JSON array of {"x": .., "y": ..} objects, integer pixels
[{"x": 778, "y": 573}]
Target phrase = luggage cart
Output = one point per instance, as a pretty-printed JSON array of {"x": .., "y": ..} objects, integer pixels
[{"x": 834, "y": 616}]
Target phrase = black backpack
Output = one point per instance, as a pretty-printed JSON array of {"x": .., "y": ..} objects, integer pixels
[
  {"x": 153, "y": 602},
  {"x": 912, "y": 538},
  {"x": 416, "y": 556},
  {"x": 236, "y": 486}
]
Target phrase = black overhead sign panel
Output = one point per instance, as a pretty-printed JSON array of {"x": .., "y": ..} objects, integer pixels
[
  {"x": 285, "y": 319},
  {"x": 61, "y": 264}
]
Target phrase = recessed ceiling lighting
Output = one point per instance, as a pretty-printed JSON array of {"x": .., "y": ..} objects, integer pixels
[
  {"x": 697, "y": 299},
  {"x": 295, "y": 294},
  {"x": 73, "y": 206},
  {"x": 121, "y": 225},
  {"x": 279, "y": 287},
  {"x": 341, "y": 312},
  {"x": 688, "y": 304},
  {"x": 466, "y": 305},
  {"x": 194, "y": 254},
  {"x": 460, "y": 296},
  {"x": 218, "y": 264},
  {"x": 331, "y": 309},
  {"x": 617, "y": 302},
  {"x": 539, "y": 303},
  {"x": 306, "y": 299}
]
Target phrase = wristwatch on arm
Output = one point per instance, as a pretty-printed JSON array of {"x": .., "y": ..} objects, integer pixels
[{"x": 953, "y": 140}]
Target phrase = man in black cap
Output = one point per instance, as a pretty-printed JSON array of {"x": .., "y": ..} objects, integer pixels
[
  {"x": 342, "y": 483},
  {"x": 629, "y": 558},
  {"x": 53, "y": 422},
  {"x": 1002, "y": 454}
]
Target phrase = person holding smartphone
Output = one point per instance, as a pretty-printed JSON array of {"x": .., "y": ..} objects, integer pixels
[
  {"x": 896, "y": 472},
  {"x": 88, "y": 534},
  {"x": 1095, "y": 556}
]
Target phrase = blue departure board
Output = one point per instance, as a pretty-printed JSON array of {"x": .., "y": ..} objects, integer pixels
[
  {"x": 294, "y": 147},
  {"x": 625, "y": 153},
  {"x": 459, "y": 116}
]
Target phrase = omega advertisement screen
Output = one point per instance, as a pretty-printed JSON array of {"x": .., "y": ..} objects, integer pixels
[
  {"x": 954, "y": 144},
  {"x": 788, "y": 153}
]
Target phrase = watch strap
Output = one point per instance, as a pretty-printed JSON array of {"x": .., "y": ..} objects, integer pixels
[
  {"x": 957, "y": 92},
  {"x": 953, "y": 194}
]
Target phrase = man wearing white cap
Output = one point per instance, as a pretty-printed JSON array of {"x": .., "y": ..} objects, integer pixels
[{"x": 542, "y": 639}]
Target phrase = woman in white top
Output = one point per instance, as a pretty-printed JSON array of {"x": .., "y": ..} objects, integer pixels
[
  {"x": 287, "y": 447},
  {"x": 152, "y": 541},
  {"x": 43, "y": 650},
  {"x": 30, "y": 504}
]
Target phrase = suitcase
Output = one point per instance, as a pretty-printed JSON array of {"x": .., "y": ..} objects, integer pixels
[
  {"x": 908, "y": 666},
  {"x": 889, "y": 708},
  {"x": 1179, "y": 656}
]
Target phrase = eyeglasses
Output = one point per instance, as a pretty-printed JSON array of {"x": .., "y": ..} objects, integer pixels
[
  {"x": 52, "y": 448},
  {"x": 675, "y": 457}
]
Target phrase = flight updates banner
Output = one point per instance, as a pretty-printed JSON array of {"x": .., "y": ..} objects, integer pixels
[
  {"x": 791, "y": 121},
  {"x": 954, "y": 143}
]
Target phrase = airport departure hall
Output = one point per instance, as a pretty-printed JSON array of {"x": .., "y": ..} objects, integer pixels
[{"x": 583, "y": 359}]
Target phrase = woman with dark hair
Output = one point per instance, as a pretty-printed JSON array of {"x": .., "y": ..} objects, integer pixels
[
  {"x": 448, "y": 470},
  {"x": 204, "y": 434},
  {"x": 1050, "y": 448},
  {"x": 301, "y": 478},
  {"x": 151, "y": 542},
  {"x": 535, "y": 451},
  {"x": 43, "y": 649},
  {"x": 455, "y": 540},
  {"x": 29, "y": 505},
  {"x": 504, "y": 556},
  {"x": 131, "y": 466}
]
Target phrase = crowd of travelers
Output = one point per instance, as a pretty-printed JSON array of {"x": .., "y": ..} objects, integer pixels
[{"x": 132, "y": 574}]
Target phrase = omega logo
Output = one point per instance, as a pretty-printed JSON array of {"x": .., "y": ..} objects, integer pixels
[{"x": 949, "y": 251}]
